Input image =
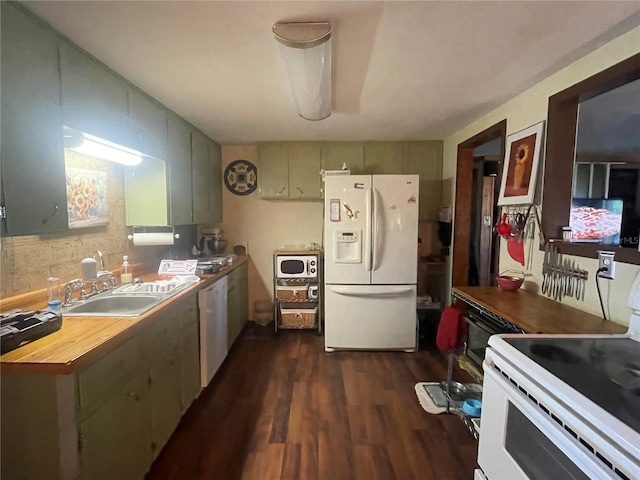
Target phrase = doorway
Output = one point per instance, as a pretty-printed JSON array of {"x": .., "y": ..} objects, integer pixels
[{"x": 475, "y": 251}]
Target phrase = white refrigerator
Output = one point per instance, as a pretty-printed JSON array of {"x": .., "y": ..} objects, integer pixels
[{"x": 370, "y": 265}]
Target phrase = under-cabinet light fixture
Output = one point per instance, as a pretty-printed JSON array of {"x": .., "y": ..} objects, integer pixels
[
  {"x": 305, "y": 48},
  {"x": 101, "y": 148}
]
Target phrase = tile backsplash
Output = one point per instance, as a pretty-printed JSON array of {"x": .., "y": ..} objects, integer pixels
[{"x": 27, "y": 261}]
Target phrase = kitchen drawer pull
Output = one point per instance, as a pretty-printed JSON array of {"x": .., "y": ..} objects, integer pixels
[
  {"x": 282, "y": 190},
  {"x": 55, "y": 210},
  {"x": 300, "y": 190},
  {"x": 134, "y": 395}
]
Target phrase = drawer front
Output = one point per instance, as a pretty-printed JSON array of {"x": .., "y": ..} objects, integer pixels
[
  {"x": 163, "y": 331},
  {"x": 105, "y": 375}
]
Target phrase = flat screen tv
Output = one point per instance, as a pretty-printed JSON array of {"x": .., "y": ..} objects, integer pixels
[{"x": 596, "y": 220}]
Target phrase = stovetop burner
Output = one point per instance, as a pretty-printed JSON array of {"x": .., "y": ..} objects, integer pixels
[{"x": 605, "y": 370}]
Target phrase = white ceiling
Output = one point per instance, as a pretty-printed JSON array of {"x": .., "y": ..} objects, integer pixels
[{"x": 401, "y": 70}]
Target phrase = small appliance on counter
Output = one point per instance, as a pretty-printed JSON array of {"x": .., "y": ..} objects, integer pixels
[
  {"x": 17, "y": 327},
  {"x": 211, "y": 243}
]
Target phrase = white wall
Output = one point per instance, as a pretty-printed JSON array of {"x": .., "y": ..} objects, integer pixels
[
  {"x": 528, "y": 109},
  {"x": 265, "y": 225}
]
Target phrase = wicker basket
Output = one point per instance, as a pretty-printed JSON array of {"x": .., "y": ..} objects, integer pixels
[
  {"x": 299, "y": 318},
  {"x": 287, "y": 292}
]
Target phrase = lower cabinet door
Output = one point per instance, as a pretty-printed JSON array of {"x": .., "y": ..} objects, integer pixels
[
  {"x": 189, "y": 366},
  {"x": 164, "y": 391},
  {"x": 233, "y": 315},
  {"x": 115, "y": 439}
]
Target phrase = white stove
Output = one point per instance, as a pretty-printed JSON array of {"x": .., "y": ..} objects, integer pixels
[{"x": 561, "y": 407}]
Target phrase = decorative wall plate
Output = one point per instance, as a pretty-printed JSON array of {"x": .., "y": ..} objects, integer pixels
[{"x": 241, "y": 177}]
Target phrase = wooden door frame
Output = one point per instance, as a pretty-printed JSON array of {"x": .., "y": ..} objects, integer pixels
[{"x": 462, "y": 216}]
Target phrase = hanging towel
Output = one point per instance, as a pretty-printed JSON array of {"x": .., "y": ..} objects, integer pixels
[{"x": 451, "y": 330}]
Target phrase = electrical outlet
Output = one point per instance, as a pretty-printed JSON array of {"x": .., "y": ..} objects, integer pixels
[{"x": 605, "y": 262}]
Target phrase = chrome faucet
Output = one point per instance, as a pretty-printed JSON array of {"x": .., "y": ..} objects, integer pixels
[
  {"x": 69, "y": 288},
  {"x": 99, "y": 260}
]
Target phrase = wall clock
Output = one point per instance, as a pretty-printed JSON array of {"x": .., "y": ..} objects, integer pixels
[{"x": 241, "y": 177}]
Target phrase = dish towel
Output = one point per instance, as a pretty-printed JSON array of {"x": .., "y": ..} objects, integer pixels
[{"x": 451, "y": 330}]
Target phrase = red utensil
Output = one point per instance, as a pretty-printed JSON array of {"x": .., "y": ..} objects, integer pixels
[
  {"x": 503, "y": 228},
  {"x": 515, "y": 248}
]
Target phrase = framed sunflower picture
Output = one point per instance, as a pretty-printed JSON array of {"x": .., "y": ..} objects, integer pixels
[{"x": 520, "y": 168}]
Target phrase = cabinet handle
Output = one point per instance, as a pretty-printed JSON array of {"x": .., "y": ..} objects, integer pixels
[
  {"x": 282, "y": 190},
  {"x": 55, "y": 210},
  {"x": 300, "y": 190},
  {"x": 134, "y": 395}
]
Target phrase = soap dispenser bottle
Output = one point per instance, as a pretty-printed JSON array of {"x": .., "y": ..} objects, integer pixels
[{"x": 127, "y": 275}]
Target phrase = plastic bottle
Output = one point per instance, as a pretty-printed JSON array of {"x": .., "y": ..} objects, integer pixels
[{"x": 127, "y": 275}]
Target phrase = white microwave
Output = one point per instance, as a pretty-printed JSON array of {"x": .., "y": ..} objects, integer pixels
[{"x": 296, "y": 266}]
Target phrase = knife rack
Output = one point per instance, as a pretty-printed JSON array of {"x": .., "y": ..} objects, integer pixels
[{"x": 562, "y": 277}]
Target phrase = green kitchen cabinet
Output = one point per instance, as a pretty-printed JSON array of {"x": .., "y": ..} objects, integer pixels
[
  {"x": 165, "y": 396},
  {"x": 337, "y": 154},
  {"x": 290, "y": 170},
  {"x": 215, "y": 198},
  {"x": 33, "y": 174},
  {"x": 94, "y": 99},
  {"x": 237, "y": 303},
  {"x": 189, "y": 329},
  {"x": 189, "y": 366},
  {"x": 425, "y": 159},
  {"x": 305, "y": 162},
  {"x": 148, "y": 125},
  {"x": 383, "y": 158},
  {"x": 179, "y": 158},
  {"x": 201, "y": 178},
  {"x": 114, "y": 441},
  {"x": 273, "y": 171}
]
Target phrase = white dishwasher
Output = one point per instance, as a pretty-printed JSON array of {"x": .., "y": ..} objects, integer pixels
[{"x": 212, "y": 303}]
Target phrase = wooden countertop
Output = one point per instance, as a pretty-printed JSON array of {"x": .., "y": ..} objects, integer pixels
[
  {"x": 81, "y": 340},
  {"x": 537, "y": 314}
]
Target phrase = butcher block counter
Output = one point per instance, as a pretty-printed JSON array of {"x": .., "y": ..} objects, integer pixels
[
  {"x": 534, "y": 313},
  {"x": 82, "y": 340}
]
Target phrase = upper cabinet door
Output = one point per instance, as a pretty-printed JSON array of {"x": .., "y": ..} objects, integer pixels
[
  {"x": 273, "y": 173},
  {"x": 383, "y": 158},
  {"x": 94, "y": 100},
  {"x": 148, "y": 125},
  {"x": 33, "y": 175},
  {"x": 305, "y": 162},
  {"x": 201, "y": 178},
  {"x": 215, "y": 196},
  {"x": 337, "y": 154},
  {"x": 179, "y": 159},
  {"x": 425, "y": 159}
]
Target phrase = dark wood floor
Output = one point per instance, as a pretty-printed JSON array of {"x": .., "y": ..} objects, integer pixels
[{"x": 282, "y": 408}]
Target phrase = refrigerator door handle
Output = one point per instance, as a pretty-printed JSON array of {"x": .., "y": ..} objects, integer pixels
[
  {"x": 377, "y": 227},
  {"x": 382, "y": 291},
  {"x": 367, "y": 235}
]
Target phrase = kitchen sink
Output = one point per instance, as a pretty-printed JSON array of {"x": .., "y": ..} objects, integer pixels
[
  {"x": 124, "y": 301},
  {"x": 110, "y": 305}
]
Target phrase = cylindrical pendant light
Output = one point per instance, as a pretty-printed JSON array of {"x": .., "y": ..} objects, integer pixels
[{"x": 306, "y": 52}]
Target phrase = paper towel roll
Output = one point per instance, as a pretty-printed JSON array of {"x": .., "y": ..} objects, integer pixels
[{"x": 153, "y": 238}]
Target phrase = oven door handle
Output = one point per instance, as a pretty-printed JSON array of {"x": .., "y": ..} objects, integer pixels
[{"x": 481, "y": 325}]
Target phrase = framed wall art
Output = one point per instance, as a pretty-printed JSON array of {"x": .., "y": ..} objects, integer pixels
[
  {"x": 86, "y": 198},
  {"x": 520, "y": 168}
]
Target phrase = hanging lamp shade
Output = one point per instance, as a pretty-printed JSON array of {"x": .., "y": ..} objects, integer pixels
[{"x": 305, "y": 48}]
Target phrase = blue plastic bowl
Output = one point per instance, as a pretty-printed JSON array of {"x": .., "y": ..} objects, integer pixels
[{"x": 472, "y": 407}]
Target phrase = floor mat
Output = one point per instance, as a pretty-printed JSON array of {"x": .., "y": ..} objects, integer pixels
[
  {"x": 431, "y": 397},
  {"x": 433, "y": 400}
]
